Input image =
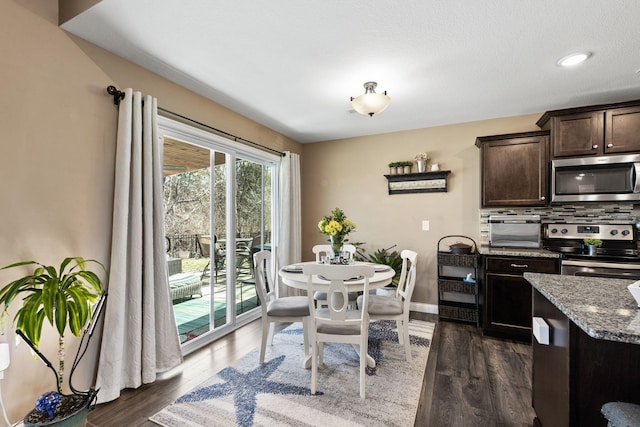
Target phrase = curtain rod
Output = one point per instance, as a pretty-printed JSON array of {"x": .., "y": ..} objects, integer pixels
[{"x": 119, "y": 95}]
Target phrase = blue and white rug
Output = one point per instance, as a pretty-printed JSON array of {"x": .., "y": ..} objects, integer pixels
[{"x": 277, "y": 393}]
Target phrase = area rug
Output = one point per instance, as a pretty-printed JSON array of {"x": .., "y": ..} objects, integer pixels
[{"x": 277, "y": 393}]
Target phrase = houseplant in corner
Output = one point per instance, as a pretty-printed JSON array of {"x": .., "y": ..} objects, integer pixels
[
  {"x": 65, "y": 298},
  {"x": 383, "y": 256}
]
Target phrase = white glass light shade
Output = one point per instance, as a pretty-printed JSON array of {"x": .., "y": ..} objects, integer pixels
[{"x": 370, "y": 103}]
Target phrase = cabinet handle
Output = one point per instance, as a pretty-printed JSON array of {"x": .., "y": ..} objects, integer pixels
[
  {"x": 542, "y": 198},
  {"x": 595, "y": 146},
  {"x": 519, "y": 265},
  {"x": 609, "y": 145}
]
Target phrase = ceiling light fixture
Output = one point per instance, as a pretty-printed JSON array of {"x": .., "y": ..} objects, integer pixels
[
  {"x": 370, "y": 103},
  {"x": 574, "y": 59}
]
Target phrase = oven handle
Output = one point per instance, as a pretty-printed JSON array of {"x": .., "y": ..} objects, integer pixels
[{"x": 577, "y": 263}]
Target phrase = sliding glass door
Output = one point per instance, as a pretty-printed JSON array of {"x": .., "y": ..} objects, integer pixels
[{"x": 218, "y": 212}]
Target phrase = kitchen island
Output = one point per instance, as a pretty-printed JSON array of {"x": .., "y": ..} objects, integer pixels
[{"x": 593, "y": 356}]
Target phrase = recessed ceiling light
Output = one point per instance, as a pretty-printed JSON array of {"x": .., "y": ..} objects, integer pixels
[{"x": 574, "y": 59}]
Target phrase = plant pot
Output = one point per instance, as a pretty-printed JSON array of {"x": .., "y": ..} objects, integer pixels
[
  {"x": 407, "y": 169},
  {"x": 392, "y": 171},
  {"x": 400, "y": 170},
  {"x": 421, "y": 165},
  {"x": 75, "y": 419},
  {"x": 592, "y": 250}
]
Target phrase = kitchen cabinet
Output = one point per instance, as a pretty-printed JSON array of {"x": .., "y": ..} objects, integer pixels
[
  {"x": 458, "y": 296},
  {"x": 594, "y": 131},
  {"x": 575, "y": 374},
  {"x": 514, "y": 169},
  {"x": 507, "y": 295}
]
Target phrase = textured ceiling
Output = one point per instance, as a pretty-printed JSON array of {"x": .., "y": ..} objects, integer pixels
[{"x": 293, "y": 64}]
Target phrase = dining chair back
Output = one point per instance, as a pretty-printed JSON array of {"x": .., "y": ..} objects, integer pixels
[
  {"x": 397, "y": 307},
  {"x": 326, "y": 250},
  {"x": 336, "y": 323},
  {"x": 276, "y": 310},
  {"x": 322, "y": 251}
]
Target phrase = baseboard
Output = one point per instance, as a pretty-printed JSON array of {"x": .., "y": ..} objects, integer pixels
[{"x": 424, "y": 308}]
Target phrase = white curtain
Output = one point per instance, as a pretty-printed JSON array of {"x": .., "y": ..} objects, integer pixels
[
  {"x": 139, "y": 337},
  {"x": 290, "y": 228}
]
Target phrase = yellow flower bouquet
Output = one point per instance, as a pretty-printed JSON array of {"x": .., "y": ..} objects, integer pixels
[{"x": 337, "y": 226}]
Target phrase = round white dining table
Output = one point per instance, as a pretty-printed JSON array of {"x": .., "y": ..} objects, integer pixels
[{"x": 292, "y": 276}]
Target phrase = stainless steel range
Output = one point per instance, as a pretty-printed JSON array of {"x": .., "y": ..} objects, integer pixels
[{"x": 618, "y": 257}]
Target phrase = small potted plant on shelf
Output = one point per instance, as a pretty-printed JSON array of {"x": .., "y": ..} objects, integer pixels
[
  {"x": 407, "y": 166},
  {"x": 392, "y": 168},
  {"x": 592, "y": 245},
  {"x": 421, "y": 161},
  {"x": 63, "y": 297}
]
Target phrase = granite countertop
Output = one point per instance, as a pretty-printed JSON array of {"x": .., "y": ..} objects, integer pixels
[
  {"x": 521, "y": 252},
  {"x": 603, "y": 308}
]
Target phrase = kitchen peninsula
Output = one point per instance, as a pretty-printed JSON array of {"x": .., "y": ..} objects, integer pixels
[{"x": 593, "y": 355}]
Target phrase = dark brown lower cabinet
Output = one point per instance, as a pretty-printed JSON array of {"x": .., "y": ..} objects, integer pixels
[
  {"x": 507, "y": 295},
  {"x": 576, "y": 374}
]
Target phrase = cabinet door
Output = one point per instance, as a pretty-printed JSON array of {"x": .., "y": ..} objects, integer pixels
[
  {"x": 622, "y": 130},
  {"x": 579, "y": 134},
  {"x": 514, "y": 172},
  {"x": 508, "y": 304}
]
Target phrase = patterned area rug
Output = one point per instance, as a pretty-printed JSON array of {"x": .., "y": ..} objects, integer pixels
[{"x": 277, "y": 393}]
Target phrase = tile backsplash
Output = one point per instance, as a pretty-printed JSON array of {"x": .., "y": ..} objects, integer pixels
[{"x": 608, "y": 213}]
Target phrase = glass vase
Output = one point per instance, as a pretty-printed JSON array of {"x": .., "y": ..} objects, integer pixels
[{"x": 336, "y": 245}]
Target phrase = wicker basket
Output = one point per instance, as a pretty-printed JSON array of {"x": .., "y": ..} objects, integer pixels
[
  {"x": 459, "y": 286},
  {"x": 447, "y": 258},
  {"x": 458, "y": 313}
]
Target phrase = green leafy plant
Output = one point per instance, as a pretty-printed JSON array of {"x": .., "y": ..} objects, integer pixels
[
  {"x": 593, "y": 242},
  {"x": 64, "y": 297},
  {"x": 381, "y": 256}
]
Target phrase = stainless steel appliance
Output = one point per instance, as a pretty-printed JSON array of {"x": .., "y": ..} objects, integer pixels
[
  {"x": 519, "y": 231},
  {"x": 596, "y": 179},
  {"x": 618, "y": 257}
]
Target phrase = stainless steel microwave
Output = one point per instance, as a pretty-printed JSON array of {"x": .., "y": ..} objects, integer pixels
[{"x": 596, "y": 179}]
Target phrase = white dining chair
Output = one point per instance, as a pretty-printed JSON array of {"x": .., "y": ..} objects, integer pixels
[
  {"x": 274, "y": 309},
  {"x": 396, "y": 307},
  {"x": 336, "y": 323},
  {"x": 326, "y": 250}
]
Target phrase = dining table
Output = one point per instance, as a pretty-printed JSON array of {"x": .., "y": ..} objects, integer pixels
[{"x": 292, "y": 276}]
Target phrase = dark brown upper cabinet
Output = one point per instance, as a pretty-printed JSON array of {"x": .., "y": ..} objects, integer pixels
[
  {"x": 593, "y": 131},
  {"x": 514, "y": 169}
]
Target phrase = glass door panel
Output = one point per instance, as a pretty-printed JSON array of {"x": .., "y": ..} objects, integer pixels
[{"x": 187, "y": 201}]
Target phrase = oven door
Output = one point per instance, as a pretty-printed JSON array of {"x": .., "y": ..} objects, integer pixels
[{"x": 601, "y": 269}]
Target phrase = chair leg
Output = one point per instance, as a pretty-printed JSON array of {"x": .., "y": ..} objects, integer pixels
[
  {"x": 263, "y": 344},
  {"x": 272, "y": 328},
  {"x": 314, "y": 362},
  {"x": 305, "y": 335},
  {"x": 405, "y": 333},
  {"x": 399, "y": 326},
  {"x": 363, "y": 363}
]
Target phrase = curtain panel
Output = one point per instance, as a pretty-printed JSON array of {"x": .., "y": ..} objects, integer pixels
[
  {"x": 290, "y": 228},
  {"x": 139, "y": 337}
]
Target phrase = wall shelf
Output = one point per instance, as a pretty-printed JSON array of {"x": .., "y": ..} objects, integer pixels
[{"x": 426, "y": 182}]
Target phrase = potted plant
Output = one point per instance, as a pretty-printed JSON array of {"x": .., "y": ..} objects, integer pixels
[
  {"x": 63, "y": 297},
  {"x": 407, "y": 166},
  {"x": 392, "y": 168},
  {"x": 592, "y": 245},
  {"x": 421, "y": 161},
  {"x": 383, "y": 256}
]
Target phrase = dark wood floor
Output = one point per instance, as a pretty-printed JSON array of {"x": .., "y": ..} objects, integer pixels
[{"x": 470, "y": 380}]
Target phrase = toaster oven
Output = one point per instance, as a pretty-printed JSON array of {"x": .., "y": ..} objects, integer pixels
[{"x": 515, "y": 231}]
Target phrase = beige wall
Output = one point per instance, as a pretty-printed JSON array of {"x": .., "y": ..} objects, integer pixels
[
  {"x": 57, "y": 160},
  {"x": 349, "y": 174}
]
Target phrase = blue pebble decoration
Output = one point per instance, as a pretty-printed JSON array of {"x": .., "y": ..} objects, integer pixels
[{"x": 48, "y": 402}]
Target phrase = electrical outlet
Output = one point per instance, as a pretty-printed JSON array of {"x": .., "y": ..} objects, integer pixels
[{"x": 425, "y": 225}]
